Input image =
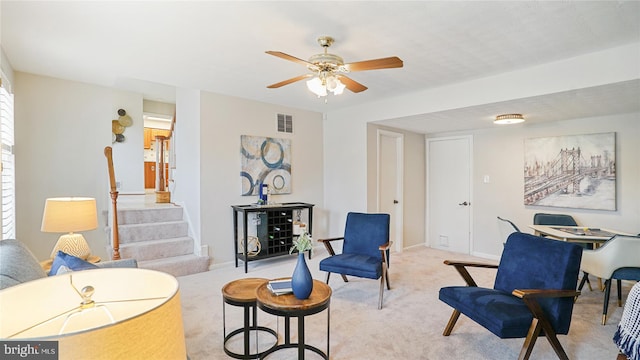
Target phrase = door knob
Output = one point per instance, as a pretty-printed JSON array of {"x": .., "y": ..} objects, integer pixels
[{"x": 465, "y": 203}]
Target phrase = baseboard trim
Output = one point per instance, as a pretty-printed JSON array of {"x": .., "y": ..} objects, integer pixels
[{"x": 485, "y": 256}]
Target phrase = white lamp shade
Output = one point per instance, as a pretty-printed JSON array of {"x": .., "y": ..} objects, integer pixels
[
  {"x": 144, "y": 305},
  {"x": 339, "y": 88},
  {"x": 332, "y": 83},
  {"x": 315, "y": 86},
  {"x": 69, "y": 214}
]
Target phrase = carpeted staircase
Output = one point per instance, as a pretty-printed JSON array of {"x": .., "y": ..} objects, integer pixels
[{"x": 158, "y": 238}]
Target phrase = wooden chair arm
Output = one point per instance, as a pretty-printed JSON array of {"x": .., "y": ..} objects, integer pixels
[
  {"x": 330, "y": 239},
  {"x": 530, "y": 298},
  {"x": 327, "y": 244},
  {"x": 461, "y": 267},
  {"x": 383, "y": 252},
  {"x": 538, "y": 293},
  {"x": 470, "y": 264}
]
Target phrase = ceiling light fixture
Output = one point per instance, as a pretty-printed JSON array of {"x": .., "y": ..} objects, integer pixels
[
  {"x": 506, "y": 119},
  {"x": 324, "y": 83}
]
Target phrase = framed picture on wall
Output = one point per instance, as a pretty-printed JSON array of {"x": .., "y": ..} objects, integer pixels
[
  {"x": 265, "y": 160},
  {"x": 576, "y": 171}
]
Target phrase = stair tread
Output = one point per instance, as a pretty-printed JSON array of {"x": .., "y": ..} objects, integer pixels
[
  {"x": 152, "y": 223},
  {"x": 142, "y": 207},
  {"x": 141, "y": 215},
  {"x": 156, "y": 241},
  {"x": 178, "y": 265},
  {"x": 153, "y": 231},
  {"x": 159, "y": 238},
  {"x": 170, "y": 259}
]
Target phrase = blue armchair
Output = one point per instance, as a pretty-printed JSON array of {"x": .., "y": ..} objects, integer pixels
[
  {"x": 533, "y": 293},
  {"x": 365, "y": 250}
]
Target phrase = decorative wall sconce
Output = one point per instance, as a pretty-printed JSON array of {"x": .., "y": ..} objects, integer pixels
[{"x": 118, "y": 126}]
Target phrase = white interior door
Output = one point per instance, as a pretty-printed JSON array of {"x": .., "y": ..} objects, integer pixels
[
  {"x": 449, "y": 169},
  {"x": 390, "y": 191}
]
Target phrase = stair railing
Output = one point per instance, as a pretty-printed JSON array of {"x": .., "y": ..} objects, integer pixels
[
  {"x": 115, "y": 243},
  {"x": 162, "y": 178},
  {"x": 172, "y": 159}
]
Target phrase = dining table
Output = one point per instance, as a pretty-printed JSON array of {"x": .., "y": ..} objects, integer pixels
[{"x": 579, "y": 234}]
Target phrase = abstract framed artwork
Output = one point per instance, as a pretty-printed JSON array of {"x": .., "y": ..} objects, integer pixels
[
  {"x": 265, "y": 160},
  {"x": 576, "y": 171}
]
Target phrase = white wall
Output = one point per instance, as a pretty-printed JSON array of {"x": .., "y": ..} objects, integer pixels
[
  {"x": 499, "y": 153},
  {"x": 157, "y": 107},
  {"x": 61, "y": 130},
  {"x": 128, "y": 156},
  {"x": 223, "y": 120},
  {"x": 345, "y": 169},
  {"x": 185, "y": 189}
]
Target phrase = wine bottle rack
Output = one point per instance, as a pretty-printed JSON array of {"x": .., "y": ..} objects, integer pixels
[{"x": 274, "y": 231}]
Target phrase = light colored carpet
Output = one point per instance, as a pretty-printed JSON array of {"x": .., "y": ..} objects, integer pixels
[{"x": 409, "y": 326}]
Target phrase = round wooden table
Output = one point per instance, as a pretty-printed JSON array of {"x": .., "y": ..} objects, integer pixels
[
  {"x": 289, "y": 306},
  {"x": 242, "y": 292}
]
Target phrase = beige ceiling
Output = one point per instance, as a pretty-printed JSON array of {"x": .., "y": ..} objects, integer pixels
[{"x": 153, "y": 47}]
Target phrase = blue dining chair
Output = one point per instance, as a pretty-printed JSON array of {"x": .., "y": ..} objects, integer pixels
[
  {"x": 365, "y": 250},
  {"x": 554, "y": 219},
  {"x": 533, "y": 293},
  {"x": 561, "y": 220}
]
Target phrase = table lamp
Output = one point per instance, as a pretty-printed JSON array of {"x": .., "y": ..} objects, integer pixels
[
  {"x": 110, "y": 313},
  {"x": 69, "y": 215}
]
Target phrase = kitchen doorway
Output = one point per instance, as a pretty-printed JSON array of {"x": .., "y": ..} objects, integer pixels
[{"x": 158, "y": 120}]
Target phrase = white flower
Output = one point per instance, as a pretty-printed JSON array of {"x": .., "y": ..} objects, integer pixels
[{"x": 302, "y": 243}]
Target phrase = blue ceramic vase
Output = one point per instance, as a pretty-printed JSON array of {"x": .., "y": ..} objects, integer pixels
[{"x": 301, "y": 281}]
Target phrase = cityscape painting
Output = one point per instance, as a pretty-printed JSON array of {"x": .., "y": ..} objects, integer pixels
[{"x": 577, "y": 171}]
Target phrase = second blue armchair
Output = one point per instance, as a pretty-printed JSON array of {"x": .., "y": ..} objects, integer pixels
[{"x": 365, "y": 250}]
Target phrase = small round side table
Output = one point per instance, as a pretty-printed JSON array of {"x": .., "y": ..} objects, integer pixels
[
  {"x": 242, "y": 292},
  {"x": 289, "y": 306}
]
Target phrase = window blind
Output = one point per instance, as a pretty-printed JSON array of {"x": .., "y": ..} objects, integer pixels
[{"x": 7, "y": 193}]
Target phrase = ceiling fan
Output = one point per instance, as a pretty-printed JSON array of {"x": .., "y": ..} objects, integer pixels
[{"x": 327, "y": 70}]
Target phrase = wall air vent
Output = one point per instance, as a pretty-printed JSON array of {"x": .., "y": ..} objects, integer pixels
[{"x": 285, "y": 123}]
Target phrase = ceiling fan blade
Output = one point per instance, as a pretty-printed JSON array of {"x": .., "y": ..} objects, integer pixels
[
  {"x": 289, "y": 81},
  {"x": 289, "y": 57},
  {"x": 384, "y": 63},
  {"x": 351, "y": 84}
]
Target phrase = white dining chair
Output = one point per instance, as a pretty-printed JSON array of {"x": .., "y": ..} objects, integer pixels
[{"x": 616, "y": 260}]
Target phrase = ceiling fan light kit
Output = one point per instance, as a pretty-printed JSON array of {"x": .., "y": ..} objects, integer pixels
[
  {"x": 507, "y": 119},
  {"x": 327, "y": 70},
  {"x": 322, "y": 83}
]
